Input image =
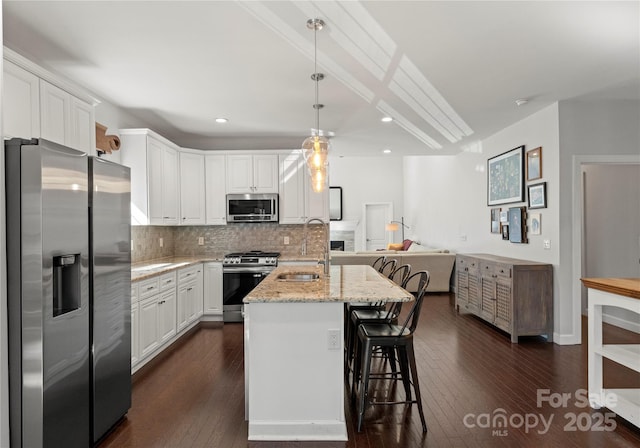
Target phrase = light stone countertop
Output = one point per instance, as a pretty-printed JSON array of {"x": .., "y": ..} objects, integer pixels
[
  {"x": 349, "y": 283},
  {"x": 151, "y": 268}
]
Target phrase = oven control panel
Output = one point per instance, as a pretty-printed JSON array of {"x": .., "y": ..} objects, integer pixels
[{"x": 251, "y": 259}]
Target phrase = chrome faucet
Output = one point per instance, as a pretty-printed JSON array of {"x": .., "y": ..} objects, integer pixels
[{"x": 326, "y": 241}]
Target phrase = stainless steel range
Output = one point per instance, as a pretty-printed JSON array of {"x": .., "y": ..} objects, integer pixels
[{"x": 241, "y": 272}]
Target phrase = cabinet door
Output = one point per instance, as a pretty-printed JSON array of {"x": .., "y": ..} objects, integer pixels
[
  {"x": 135, "y": 340},
  {"x": 148, "y": 322},
  {"x": 21, "y": 102},
  {"x": 167, "y": 316},
  {"x": 213, "y": 288},
  {"x": 83, "y": 127},
  {"x": 503, "y": 298},
  {"x": 488, "y": 293},
  {"x": 192, "y": 193},
  {"x": 154, "y": 172},
  {"x": 55, "y": 112},
  {"x": 170, "y": 187},
  {"x": 316, "y": 204},
  {"x": 265, "y": 173},
  {"x": 198, "y": 299},
  {"x": 215, "y": 190},
  {"x": 292, "y": 188},
  {"x": 182, "y": 307},
  {"x": 239, "y": 174}
]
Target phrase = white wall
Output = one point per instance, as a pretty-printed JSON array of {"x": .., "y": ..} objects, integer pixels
[
  {"x": 446, "y": 196},
  {"x": 612, "y": 230},
  {"x": 368, "y": 179},
  {"x": 591, "y": 131},
  {"x": 115, "y": 118}
]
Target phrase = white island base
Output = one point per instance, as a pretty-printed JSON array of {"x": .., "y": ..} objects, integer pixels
[{"x": 294, "y": 371}]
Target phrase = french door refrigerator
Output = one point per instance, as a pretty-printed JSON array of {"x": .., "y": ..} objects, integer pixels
[{"x": 68, "y": 293}]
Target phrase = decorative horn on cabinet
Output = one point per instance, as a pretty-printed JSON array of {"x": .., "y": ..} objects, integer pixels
[{"x": 106, "y": 143}]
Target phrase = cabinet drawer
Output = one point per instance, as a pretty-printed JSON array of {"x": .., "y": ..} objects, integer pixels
[
  {"x": 503, "y": 271},
  {"x": 168, "y": 281},
  {"x": 466, "y": 264},
  {"x": 188, "y": 274},
  {"x": 149, "y": 287}
]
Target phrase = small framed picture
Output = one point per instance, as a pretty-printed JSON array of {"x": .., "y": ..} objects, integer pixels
[
  {"x": 505, "y": 231},
  {"x": 537, "y": 195},
  {"x": 504, "y": 215},
  {"x": 535, "y": 225},
  {"x": 495, "y": 220},
  {"x": 517, "y": 225},
  {"x": 534, "y": 164}
]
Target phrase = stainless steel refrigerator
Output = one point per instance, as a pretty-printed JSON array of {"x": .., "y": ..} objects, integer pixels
[{"x": 69, "y": 293}]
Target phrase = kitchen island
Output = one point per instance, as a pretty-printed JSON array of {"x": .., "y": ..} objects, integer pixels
[{"x": 294, "y": 367}]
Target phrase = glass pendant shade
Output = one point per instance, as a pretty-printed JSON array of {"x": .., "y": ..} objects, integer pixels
[{"x": 315, "y": 150}]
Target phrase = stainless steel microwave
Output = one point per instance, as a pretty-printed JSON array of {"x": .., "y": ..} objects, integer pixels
[{"x": 252, "y": 207}]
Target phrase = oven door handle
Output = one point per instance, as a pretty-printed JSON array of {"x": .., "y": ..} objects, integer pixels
[{"x": 247, "y": 270}]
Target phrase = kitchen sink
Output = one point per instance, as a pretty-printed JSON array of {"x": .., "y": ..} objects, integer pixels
[{"x": 299, "y": 277}]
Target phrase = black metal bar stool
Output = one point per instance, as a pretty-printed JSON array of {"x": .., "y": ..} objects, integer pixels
[
  {"x": 387, "y": 313},
  {"x": 391, "y": 337}
]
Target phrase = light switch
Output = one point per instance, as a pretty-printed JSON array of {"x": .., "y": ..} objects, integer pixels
[
  {"x": 546, "y": 244},
  {"x": 161, "y": 240},
  {"x": 201, "y": 241}
]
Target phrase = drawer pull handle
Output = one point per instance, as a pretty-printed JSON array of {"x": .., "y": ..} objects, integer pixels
[
  {"x": 189, "y": 289},
  {"x": 150, "y": 287}
]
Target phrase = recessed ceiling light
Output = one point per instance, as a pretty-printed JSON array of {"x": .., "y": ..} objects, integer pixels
[
  {"x": 387, "y": 151},
  {"x": 386, "y": 119},
  {"x": 222, "y": 120}
]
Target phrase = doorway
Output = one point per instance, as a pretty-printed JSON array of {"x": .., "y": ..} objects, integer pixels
[
  {"x": 376, "y": 215},
  {"x": 611, "y": 223}
]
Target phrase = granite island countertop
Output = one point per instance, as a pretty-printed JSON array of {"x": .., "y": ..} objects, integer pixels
[{"x": 349, "y": 283}]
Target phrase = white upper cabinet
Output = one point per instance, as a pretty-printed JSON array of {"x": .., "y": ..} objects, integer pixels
[
  {"x": 298, "y": 201},
  {"x": 215, "y": 189},
  {"x": 248, "y": 173},
  {"x": 83, "y": 126},
  {"x": 292, "y": 188},
  {"x": 37, "y": 104},
  {"x": 66, "y": 119},
  {"x": 154, "y": 177},
  {"x": 192, "y": 188},
  {"x": 55, "y": 113},
  {"x": 21, "y": 96}
]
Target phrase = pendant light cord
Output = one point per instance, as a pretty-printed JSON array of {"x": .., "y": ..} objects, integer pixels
[{"x": 315, "y": 68}]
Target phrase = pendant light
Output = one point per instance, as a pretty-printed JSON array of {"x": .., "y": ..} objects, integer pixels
[{"x": 316, "y": 148}]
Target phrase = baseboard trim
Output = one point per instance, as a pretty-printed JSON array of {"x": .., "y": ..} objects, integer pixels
[{"x": 304, "y": 431}]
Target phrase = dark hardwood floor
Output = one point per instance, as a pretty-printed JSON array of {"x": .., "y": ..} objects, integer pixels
[{"x": 469, "y": 373}]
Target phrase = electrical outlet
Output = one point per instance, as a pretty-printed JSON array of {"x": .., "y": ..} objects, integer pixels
[
  {"x": 286, "y": 240},
  {"x": 333, "y": 339},
  {"x": 161, "y": 240},
  {"x": 463, "y": 237},
  {"x": 546, "y": 244},
  {"x": 201, "y": 241}
]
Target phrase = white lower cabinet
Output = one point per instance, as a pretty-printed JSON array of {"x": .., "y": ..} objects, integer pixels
[
  {"x": 135, "y": 318},
  {"x": 189, "y": 296},
  {"x": 167, "y": 316},
  {"x": 148, "y": 337},
  {"x": 162, "y": 309},
  {"x": 213, "y": 290}
]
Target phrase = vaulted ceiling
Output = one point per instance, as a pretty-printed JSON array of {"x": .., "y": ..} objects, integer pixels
[{"x": 448, "y": 73}]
